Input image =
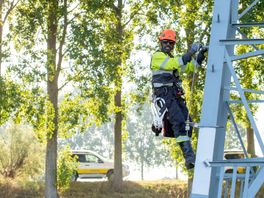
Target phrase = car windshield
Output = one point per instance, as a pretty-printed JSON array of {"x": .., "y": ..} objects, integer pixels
[{"x": 234, "y": 156}]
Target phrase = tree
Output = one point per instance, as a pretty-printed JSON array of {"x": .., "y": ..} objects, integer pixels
[
  {"x": 142, "y": 146},
  {"x": 10, "y": 96},
  {"x": 20, "y": 153},
  {"x": 67, "y": 167},
  {"x": 40, "y": 23},
  {"x": 11, "y": 99},
  {"x": 6, "y": 7},
  {"x": 112, "y": 38}
]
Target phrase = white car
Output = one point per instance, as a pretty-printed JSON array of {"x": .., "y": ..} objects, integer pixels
[
  {"x": 234, "y": 154},
  {"x": 93, "y": 165}
]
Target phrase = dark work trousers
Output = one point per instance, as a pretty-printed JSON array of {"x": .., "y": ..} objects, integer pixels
[{"x": 177, "y": 110}]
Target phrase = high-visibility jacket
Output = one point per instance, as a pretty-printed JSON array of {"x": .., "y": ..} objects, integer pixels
[{"x": 166, "y": 69}]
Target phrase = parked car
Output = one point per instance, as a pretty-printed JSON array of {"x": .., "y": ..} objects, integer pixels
[
  {"x": 234, "y": 154},
  {"x": 93, "y": 165}
]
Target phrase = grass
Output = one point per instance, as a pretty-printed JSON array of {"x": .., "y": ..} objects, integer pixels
[
  {"x": 137, "y": 189},
  {"x": 103, "y": 189},
  {"x": 19, "y": 189},
  {"x": 140, "y": 189}
]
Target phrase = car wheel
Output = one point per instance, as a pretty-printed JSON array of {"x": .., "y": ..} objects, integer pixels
[
  {"x": 74, "y": 177},
  {"x": 110, "y": 175},
  {"x": 229, "y": 171}
]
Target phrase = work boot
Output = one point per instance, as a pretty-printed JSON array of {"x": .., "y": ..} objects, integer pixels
[{"x": 188, "y": 154}]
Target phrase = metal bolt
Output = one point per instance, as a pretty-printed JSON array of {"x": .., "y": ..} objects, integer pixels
[{"x": 218, "y": 18}]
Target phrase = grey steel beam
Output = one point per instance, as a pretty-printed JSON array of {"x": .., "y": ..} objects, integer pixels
[
  {"x": 256, "y": 184},
  {"x": 248, "y": 8},
  {"x": 241, "y": 163},
  {"x": 233, "y": 184},
  {"x": 207, "y": 181},
  {"x": 214, "y": 113},
  {"x": 260, "y": 24},
  {"x": 247, "y": 55},
  {"x": 249, "y": 101},
  {"x": 241, "y": 41},
  {"x": 243, "y": 98},
  {"x": 241, "y": 188},
  {"x": 220, "y": 183},
  {"x": 245, "y": 193},
  {"x": 239, "y": 176},
  {"x": 247, "y": 90}
]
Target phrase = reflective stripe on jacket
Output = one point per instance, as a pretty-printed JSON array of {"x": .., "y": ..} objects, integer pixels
[
  {"x": 162, "y": 67},
  {"x": 161, "y": 61}
]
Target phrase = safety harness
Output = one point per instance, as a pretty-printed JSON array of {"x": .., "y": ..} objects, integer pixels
[{"x": 158, "y": 106}]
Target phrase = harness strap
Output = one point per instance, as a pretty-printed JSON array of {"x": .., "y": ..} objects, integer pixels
[
  {"x": 159, "y": 72},
  {"x": 157, "y": 85},
  {"x": 182, "y": 138}
]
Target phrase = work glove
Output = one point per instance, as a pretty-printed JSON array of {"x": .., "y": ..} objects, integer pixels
[
  {"x": 200, "y": 57},
  {"x": 195, "y": 48},
  {"x": 186, "y": 58}
]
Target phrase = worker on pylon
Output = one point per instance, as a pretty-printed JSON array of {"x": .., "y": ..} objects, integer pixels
[{"x": 166, "y": 84}]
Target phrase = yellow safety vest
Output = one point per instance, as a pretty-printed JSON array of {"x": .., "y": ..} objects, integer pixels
[{"x": 162, "y": 67}]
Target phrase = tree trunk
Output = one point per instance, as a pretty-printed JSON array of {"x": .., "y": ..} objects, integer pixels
[
  {"x": 190, "y": 182},
  {"x": 250, "y": 142},
  {"x": 142, "y": 166},
  {"x": 117, "y": 182},
  {"x": 118, "y": 179},
  {"x": 177, "y": 173},
  {"x": 52, "y": 89},
  {"x": 1, "y": 34}
]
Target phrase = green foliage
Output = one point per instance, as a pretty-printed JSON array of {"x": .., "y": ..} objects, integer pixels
[
  {"x": 20, "y": 153},
  {"x": 73, "y": 116},
  {"x": 34, "y": 67},
  {"x": 39, "y": 112},
  {"x": 67, "y": 167},
  {"x": 10, "y": 99}
]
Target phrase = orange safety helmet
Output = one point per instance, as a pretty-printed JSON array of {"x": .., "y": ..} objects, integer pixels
[{"x": 168, "y": 35}]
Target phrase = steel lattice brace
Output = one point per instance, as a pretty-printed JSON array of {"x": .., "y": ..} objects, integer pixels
[{"x": 209, "y": 168}]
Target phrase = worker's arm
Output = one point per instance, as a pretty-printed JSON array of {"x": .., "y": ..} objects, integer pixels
[
  {"x": 188, "y": 63},
  {"x": 185, "y": 63},
  {"x": 161, "y": 61}
]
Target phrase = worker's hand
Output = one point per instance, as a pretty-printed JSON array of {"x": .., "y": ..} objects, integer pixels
[
  {"x": 195, "y": 48},
  {"x": 201, "y": 55}
]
